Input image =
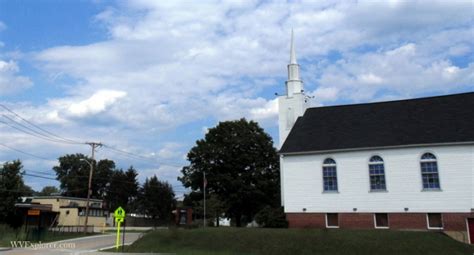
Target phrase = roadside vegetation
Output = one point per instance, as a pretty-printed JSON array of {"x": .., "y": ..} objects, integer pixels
[
  {"x": 8, "y": 234},
  {"x": 223, "y": 241}
]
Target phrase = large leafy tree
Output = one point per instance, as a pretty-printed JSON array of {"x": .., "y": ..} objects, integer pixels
[
  {"x": 73, "y": 175},
  {"x": 11, "y": 188},
  {"x": 156, "y": 199},
  {"x": 123, "y": 189},
  {"x": 241, "y": 165}
]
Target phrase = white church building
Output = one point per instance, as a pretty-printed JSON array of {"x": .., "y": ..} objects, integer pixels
[{"x": 406, "y": 164}]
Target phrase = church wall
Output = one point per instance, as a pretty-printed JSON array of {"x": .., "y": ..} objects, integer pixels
[{"x": 303, "y": 188}]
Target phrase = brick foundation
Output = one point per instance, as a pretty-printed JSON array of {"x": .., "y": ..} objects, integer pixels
[
  {"x": 356, "y": 220},
  {"x": 456, "y": 221},
  {"x": 407, "y": 220},
  {"x": 451, "y": 221},
  {"x": 306, "y": 220}
]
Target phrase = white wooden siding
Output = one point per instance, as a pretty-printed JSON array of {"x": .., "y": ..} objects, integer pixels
[{"x": 303, "y": 184}]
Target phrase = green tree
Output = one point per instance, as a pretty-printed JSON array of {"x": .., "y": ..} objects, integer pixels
[
  {"x": 123, "y": 189},
  {"x": 11, "y": 188},
  {"x": 73, "y": 175},
  {"x": 48, "y": 191},
  {"x": 241, "y": 165},
  {"x": 28, "y": 191},
  {"x": 157, "y": 199},
  {"x": 270, "y": 217}
]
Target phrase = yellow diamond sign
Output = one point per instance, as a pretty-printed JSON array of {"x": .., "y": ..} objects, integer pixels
[{"x": 119, "y": 214}]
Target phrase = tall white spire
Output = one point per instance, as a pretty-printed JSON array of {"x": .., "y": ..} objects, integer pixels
[
  {"x": 293, "y": 104},
  {"x": 290, "y": 106},
  {"x": 292, "y": 53},
  {"x": 294, "y": 85}
]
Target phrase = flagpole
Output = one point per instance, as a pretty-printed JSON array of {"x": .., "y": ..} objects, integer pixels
[{"x": 204, "y": 185}]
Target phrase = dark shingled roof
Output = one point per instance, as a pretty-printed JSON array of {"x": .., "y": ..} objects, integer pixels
[{"x": 441, "y": 119}]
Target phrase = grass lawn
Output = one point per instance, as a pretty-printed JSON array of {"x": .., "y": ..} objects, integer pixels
[
  {"x": 220, "y": 241},
  {"x": 8, "y": 234}
]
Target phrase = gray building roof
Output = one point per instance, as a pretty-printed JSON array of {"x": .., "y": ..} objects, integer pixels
[{"x": 430, "y": 120}]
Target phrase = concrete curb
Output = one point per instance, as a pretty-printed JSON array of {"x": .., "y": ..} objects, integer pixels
[{"x": 5, "y": 248}]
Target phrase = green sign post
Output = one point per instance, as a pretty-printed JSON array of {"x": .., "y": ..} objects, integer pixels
[{"x": 119, "y": 215}]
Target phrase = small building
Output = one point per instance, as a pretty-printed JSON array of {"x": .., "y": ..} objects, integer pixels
[
  {"x": 183, "y": 216},
  {"x": 68, "y": 211}
]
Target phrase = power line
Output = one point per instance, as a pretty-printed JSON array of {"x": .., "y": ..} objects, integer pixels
[
  {"x": 23, "y": 152},
  {"x": 174, "y": 187},
  {"x": 38, "y": 127},
  {"x": 39, "y": 176},
  {"x": 47, "y": 135},
  {"x": 137, "y": 156},
  {"x": 42, "y": 158},
  {"x": 40, "y": 172},
  {"x": 31, "y": 132},
  {"x": 41, "y": 135},
  {"x": 32, "y": 129},
  {"x": 56, "y": 138}
]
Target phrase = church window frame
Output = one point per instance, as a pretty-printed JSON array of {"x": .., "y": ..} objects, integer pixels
[
  {"x": 329, "y": 173},
  {"x": 429, "y": 170},
  {"x": 377, "y": 175}
]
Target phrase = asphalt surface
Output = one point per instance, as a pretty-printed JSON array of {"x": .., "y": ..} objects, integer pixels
[{"x": 82, "y": 245}]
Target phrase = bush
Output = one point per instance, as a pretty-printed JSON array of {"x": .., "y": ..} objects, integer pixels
[{"x": 270, "y": 217}]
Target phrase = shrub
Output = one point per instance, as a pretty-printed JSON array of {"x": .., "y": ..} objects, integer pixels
[{"x": 270, "y": 217}]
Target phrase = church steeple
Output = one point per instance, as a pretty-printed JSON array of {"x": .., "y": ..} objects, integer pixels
[
  {"x": 293, "y": 104},
  {"x": 294, "y": 85},
  {"x": 292, "y": 49}
]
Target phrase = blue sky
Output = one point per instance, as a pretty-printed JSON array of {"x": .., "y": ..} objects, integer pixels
[{"x": 149, "y": 77}]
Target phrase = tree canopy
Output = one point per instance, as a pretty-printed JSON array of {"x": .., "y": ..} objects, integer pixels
[
  {"x": 11, "y": 188},
  {"x": 241, "y": 166},
  {"x": 48, "y": 191},
  {"x": 123, "y": 189},
  {"x": 115, "y": 186},
  {"x": 73, "y": 175},
  {"x": 156, "y": 199}
]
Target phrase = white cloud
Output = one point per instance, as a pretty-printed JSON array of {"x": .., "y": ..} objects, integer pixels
[
  {"x": 178, "y": 63},
  {"x": 268, "y": 111},
  {"x": 10, "y": 81},
  {"x": 170, "y": 151},
  {"x": 323, "y": 94},
  {"x": 2, "y": 26},
  {"x": 401, "y": 71},
  {"x": 370, "y": 78},
  {"x": 96, "y": 103},
  {"x": 459, "y": 50},
  {"x": 169, "y": 65}
]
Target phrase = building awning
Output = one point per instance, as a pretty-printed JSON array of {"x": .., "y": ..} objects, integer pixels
[{"x": 41, "y": 207}]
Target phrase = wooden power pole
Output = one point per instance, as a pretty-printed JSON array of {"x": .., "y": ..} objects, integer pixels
[{"x": 89, "y": 191}]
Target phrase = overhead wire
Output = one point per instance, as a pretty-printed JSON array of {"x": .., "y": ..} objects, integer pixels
[
  {"x": 31, "y": 132},
  {"x": 49, "y": 173},
  {"x": 49, "y": 134},
  {"x": 56, "y": 138},
  {"x": 137, "y": 156},
  {"x": 40, "y": 174},
  {"x": 23, "y": 152},
  {"x": 138, "y": 184}
]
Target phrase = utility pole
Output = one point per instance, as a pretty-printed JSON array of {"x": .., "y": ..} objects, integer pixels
[{"x": 89, "y": 191}]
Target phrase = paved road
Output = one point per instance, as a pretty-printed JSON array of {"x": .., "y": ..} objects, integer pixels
[{"x": 84, "y": 245}]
